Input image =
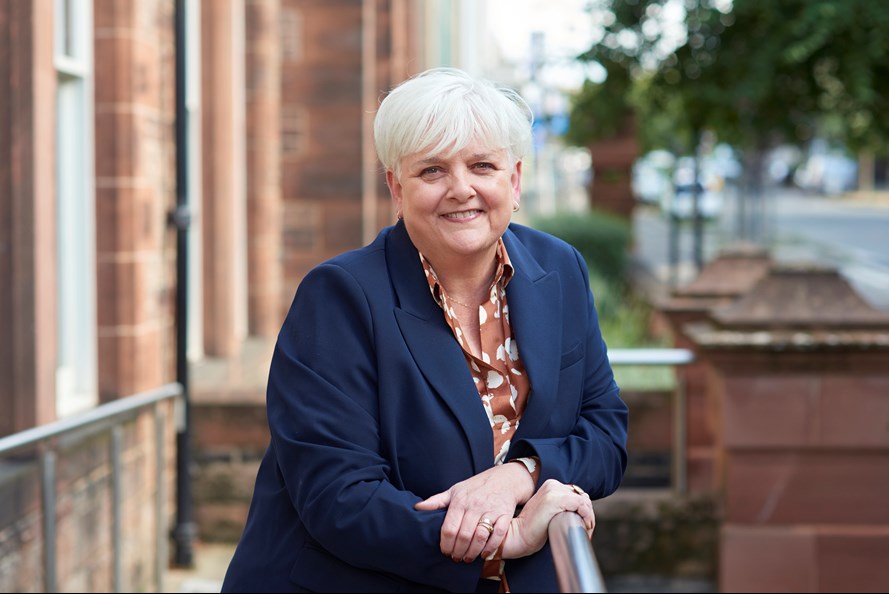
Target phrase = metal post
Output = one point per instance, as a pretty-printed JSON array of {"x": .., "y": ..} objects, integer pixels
[
  {"x": 48, "y": 468},
  {"x": 160, "y": 516},
  {"x": 116, "y": 499},
  {"x": 680, "y": 431}
]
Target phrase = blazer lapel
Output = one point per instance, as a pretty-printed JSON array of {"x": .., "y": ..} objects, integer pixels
[
  {"x": 432, "y": 345},
  {"x": 535, "y": 313}
]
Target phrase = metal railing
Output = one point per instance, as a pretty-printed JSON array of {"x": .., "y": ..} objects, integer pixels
[
  {"x": 666, "y": 357},
  {"x": 573, "y": 556},
  {"x": 108, "y": 417},
  {"x": 575, "y": 561}
]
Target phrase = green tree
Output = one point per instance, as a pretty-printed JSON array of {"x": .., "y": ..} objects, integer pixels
[{"x": 754, "y": 72}]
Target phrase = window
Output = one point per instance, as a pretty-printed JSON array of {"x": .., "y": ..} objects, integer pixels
[{"x": 76, "y": 374}]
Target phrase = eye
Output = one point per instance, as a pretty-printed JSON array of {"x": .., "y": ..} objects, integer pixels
[
  {"x": 484, "y": 166},
  {"x": 431, "y": 170}
]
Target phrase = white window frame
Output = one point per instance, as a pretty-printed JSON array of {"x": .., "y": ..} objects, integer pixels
[
  {"x": 195, "y": 345},
  {"x": 77, "y": 368}
]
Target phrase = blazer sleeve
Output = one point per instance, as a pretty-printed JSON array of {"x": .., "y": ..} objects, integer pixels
[{"x": 323, "y": 405}]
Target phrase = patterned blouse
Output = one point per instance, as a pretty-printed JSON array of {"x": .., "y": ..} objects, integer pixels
[{"x": 499, "y": 375}]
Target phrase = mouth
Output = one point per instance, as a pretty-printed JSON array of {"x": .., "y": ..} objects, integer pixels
[{"x": 463, "y": 214}]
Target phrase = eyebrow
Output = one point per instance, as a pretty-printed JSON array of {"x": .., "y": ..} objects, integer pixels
[{"x": 473, "y": 157}]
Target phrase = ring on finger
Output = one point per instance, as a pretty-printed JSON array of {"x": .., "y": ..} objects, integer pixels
[
  {"x": 487, "y": 525},
  {"x": 578, "y": 490}
]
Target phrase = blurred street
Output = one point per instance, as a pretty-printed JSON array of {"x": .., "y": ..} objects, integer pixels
[
  {"x": 210, "y": 562},
  {"x": 847, "y": 231}
]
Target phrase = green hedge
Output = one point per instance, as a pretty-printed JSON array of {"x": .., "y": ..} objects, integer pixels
[{"x": 602, "y": 238}]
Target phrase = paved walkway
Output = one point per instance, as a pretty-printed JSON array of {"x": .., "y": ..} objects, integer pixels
[{"x": 210, "y": 562}]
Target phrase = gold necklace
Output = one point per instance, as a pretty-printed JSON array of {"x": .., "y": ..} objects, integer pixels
[{"x": 458, "y": 302}]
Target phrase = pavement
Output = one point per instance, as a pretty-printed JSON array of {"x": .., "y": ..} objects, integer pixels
[{"x": 210, "y": 562}]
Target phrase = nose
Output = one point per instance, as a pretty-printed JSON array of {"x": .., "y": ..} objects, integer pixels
[{"x": 461, "y": 187}]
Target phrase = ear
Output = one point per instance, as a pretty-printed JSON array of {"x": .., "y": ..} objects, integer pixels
[
  {"x": 395, "y": 189},
  {"x": 516, "y": 180}
]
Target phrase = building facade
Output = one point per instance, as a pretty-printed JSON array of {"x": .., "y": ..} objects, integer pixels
[{"x": 264, "y": 160}]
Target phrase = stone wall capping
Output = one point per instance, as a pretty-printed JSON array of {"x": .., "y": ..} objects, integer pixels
[
  {"x": 707, "y": 335},
  {"x": 733, "y": 272},
  {"x": 795, "y": 306},
  {"x": 802, "y": 296}
]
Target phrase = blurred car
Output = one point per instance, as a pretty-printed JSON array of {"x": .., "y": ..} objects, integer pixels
[
  {"x": 680, "y": 204},
  {"x": 649, "y": 184},
  {"x": 651, "y": 176},
  {"x": 829, "y": 174}
]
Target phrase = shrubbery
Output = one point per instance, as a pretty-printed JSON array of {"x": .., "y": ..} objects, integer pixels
[
  {"x": 605, "y": 241},
  {"x": 602, "y": 238}
]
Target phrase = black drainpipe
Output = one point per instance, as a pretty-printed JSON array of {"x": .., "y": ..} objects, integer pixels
[{"x": 185, "y": 531}]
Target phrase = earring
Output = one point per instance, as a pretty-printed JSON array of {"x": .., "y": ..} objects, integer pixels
[
  {"x": 399, "y": 215},
  {"x": 515, "y": 207}
]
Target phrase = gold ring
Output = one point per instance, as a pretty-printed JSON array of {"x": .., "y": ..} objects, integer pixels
[
  {"x": 578, "y": 490},
  {"x": 486, "y": 523}
]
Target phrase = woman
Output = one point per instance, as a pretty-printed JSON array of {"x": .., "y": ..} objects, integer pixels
[{"x": 435, "y": 397}]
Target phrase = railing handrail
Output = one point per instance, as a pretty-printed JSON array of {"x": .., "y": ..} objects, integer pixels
[
  {"x": 573, "y": 556},
  {"x": 673, "y": 357},
  {"x": 105, "y": 417},
  {"x": 651, "y": 356},
  {"x": 100, "y": 413}
]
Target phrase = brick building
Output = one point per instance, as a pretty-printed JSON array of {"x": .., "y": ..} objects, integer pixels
[{"x": 267, "y": 153}]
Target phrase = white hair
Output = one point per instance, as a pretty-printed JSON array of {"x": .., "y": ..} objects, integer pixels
[{"x": 442, "y": 110}]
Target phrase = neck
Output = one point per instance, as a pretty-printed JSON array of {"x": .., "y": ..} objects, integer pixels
[{"x": 468, "y": 289}]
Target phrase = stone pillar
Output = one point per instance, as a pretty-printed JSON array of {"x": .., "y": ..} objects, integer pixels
[
  {"x": 800, "y": 369},
  {"x": 721, "y": 281},
  {"x": 263, "y": 168},
  {"x": 27, "y": 216},
  {"x": 134, "y": 112},
  {"x": 223, "y": 205}
]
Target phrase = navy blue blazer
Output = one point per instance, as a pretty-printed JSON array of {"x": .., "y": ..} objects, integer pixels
[{"x": 372, "y": 408}]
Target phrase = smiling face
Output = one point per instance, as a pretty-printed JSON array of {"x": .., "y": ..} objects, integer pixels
[{"x": 456, "y": 207}]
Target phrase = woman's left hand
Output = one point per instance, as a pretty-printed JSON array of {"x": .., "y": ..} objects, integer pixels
[
  {"x": 492, "y": 495},
  {"x": 530, "y": 530}
]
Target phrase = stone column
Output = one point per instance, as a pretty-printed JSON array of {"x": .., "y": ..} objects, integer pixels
[
  {"x": 800, "y": 369},
  {"x": 223, "y": 204},
  {"x": 721, "y": 281},
  {"x": 27, "y": 216},
  {"x": 135, "y": 191},
  {"x": 263, "y": 168}
]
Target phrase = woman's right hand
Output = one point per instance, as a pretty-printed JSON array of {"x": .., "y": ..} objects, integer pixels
[{"x": 529, "y": 530}]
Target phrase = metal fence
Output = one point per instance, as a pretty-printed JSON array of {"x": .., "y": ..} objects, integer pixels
[
  {"x": 573, "y": 554},
  {"x": 110, "y": 417}
]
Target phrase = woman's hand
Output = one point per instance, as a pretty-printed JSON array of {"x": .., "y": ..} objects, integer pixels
[
  {"x": 528, "y": 532},
  {"x": 491, "y": 495}
]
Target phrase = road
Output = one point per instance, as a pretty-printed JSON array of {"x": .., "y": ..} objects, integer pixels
[{"x": 850, "y": 235}]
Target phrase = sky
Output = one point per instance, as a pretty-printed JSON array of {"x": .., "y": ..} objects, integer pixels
[{"x": 566, "y": 28}]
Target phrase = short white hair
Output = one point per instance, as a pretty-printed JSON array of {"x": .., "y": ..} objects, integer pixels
[{"x": 442, "y": 110}]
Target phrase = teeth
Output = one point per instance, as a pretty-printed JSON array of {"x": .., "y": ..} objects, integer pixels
[{"x": 461, "y": 215}]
